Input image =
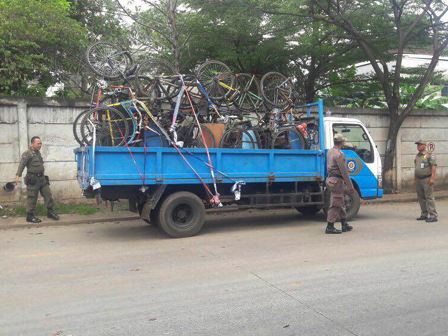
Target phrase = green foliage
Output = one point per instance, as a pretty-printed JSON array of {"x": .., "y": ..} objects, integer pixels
[
  {"x": 59, "y": 208},
  {"x": 358, "y": 93},
  {"x": 102, "y": 20},
  {"x": 430, "y": 99},
  {"x": 237, "y": 33},
  {"x": 38, "y": 42}
]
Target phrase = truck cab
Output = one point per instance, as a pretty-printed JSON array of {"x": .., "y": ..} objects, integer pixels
[{"x": 363, "y": 159}]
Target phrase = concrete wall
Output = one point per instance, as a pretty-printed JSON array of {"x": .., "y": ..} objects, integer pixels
[
  {"x": 52, "y": 119},
  {"x": 426, "y": 125}
]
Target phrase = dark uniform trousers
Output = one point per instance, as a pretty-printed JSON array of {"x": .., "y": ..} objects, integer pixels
[
  {"x": 336, "y": 211},
  {"x": 35, "y": 180},
  {"x": 424, "y": 163},
  {"x": 32, "y": 193},
  {"x": 425, "y": 194}
]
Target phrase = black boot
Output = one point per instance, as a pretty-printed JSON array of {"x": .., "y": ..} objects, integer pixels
[
  {"x": 331, "y": 229},
  {"x": 345, "y": 226},
  {"x": 30, "y": 218},
  {"x": 52, "y": 215}
]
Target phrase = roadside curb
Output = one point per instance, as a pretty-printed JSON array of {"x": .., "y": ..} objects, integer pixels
[
  {"x": 26, "y": 225},
  {"x": 22, "y": 224},
  {"x": 399, "y": 200}
]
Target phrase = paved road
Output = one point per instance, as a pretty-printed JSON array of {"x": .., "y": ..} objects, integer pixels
[{"x": 260, "y": 273}]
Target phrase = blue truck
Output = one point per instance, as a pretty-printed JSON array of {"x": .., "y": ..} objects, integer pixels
[{"x": 172, "y": 189}]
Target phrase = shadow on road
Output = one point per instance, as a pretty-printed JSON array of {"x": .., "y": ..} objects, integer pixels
[{"x": 229, "y": 222}]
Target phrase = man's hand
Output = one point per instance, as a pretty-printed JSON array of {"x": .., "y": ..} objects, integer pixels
[
  {"x": 16, "y": 180},
  {"x": 431, "y": 182},
  {"x": 415, "y": 182}
]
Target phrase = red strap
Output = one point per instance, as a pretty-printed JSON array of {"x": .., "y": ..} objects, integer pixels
[{"x": 132, "y": 156}]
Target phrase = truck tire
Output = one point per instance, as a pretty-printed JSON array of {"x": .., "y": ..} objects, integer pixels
[
  {"x": 153, "y": 218},
  {"x": 182, "y": 214},
  {"x": 309, "y": 210},
  {"x": 352, "y": 203}
]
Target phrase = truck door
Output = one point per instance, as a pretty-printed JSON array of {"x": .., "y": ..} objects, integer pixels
[{"x": 363, "y": 160}]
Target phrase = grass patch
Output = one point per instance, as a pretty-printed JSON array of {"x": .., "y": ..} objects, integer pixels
[{"x": 62, "y": 208}]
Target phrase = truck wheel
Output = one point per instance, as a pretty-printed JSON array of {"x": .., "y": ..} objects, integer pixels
[
  {"x": 352, "y": 203},
  {"x": 309, "y": 210},
  {"x": 182, "y": 214}
]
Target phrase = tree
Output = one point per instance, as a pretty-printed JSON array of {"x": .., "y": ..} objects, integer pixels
[
  {"x": 318, "y": 49},
  {"x": 38, "y": 42},
  {"x": 101, "y": 19},
  {"x": 160, "y": 27},
  {"x": 238, "y": 34},
  {"x": 400, "y": 26}
]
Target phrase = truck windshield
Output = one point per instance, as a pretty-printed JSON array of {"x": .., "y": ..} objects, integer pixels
[{"x": 358, "y": 139}]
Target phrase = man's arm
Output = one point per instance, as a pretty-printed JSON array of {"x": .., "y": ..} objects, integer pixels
[
  {"x": 342, "y": 164},
  {"x": 433, "y": 175},
  {"x": 22, "y": 165},
  {"x": 433, "y": 162}
]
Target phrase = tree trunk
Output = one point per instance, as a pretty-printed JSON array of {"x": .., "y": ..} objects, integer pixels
[
  {"x": 390, "y": 154},
  {"x": 310, "y": 92}
]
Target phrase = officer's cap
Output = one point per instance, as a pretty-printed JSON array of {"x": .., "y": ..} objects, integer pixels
[
  {"x": 421, "y": 142},
  {"x": 338, "y": 138}
]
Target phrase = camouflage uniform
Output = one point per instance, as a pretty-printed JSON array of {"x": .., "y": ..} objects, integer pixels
[
  {"x": 337, "y": 174},
  {"x": 35, "y": 180},
  {"x": 425, "y": 191}
]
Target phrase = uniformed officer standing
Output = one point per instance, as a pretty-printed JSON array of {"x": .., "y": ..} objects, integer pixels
[
  {"x": 338, "y": 176},
  {"x": 35, "y": 181},
  {"x": 425, "y": 174}
]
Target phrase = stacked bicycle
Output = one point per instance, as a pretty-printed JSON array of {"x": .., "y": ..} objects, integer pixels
[{"x": 155, "y": 106}]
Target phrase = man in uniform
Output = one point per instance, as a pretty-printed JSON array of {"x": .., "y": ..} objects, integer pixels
[
  {"x": 35, "y": 181},
  {"x": 338, "y": 176},
  {"x": 425, "y": 174}
]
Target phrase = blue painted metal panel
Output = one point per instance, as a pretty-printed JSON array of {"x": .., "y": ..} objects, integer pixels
[
  {"x": 362, "y": 175},
  {"x": 115, "y": 166}
]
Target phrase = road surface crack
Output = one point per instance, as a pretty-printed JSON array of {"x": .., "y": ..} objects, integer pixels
[{"x": 280, "y": 290}]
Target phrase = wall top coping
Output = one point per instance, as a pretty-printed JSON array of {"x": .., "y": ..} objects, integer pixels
[
  {"x": 43, "y": 102},
  {"x": 64, "y": 102}
]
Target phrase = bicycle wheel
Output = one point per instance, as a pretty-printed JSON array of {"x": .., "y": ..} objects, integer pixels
[
  {"x": 263, "y": 138},
  {"x": 289, "y": 138},
  {"x": 237, "y": 138},
  {"x": 217, "y": 79},
  {"x": 248, "y": 97},
  {"x": 107, "y": 60},
  {"x": 110, "y": 125},
  {"x": 156, "y": 79},
  {"x": 77, "y": 127},
  {"x": 276, "y": 89},
  {"x": 193, "y": 137}
]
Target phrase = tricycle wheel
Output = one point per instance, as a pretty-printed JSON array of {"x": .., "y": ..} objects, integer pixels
[
  {"x": 182, "y": 214},
  {"x": 309, "y": 210}
]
